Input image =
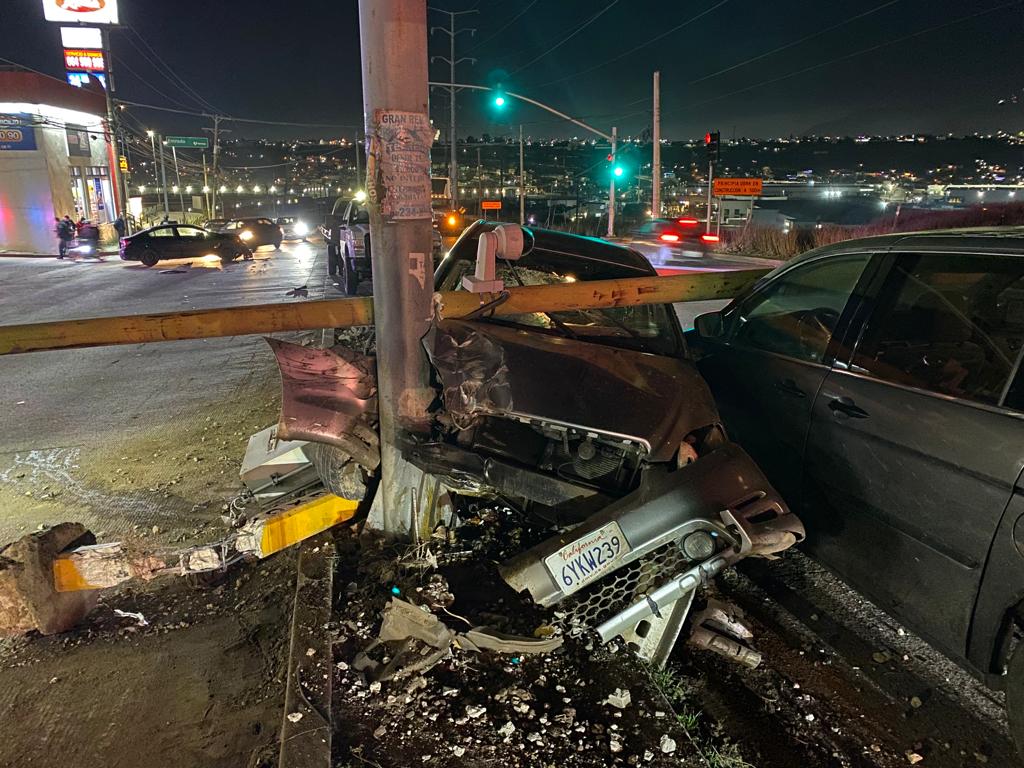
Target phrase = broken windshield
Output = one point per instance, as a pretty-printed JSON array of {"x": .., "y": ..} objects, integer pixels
[{"x": 647, "y": 328}]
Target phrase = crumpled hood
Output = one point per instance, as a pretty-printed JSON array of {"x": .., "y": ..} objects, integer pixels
[{"x": 490, "y": 369}]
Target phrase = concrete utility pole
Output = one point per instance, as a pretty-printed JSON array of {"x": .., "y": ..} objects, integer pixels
[
  {"x": 120, "y": 190},
  {"x": 393, "y": 38},
  {"x": 216, "y": 131},
  {"x": 452, "y": 33},
  {"x": 522, "y": 180},
  {"x": 611, "y": 185},
  {"x": 656, "y": 151},
  {"x": 163, "y": 178}
]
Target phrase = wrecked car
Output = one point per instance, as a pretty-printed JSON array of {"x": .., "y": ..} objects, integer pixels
[{"x": 594, "y": 421}]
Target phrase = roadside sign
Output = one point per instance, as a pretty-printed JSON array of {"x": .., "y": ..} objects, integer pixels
[
  {"x": 84, "y": 60},
  {"x": 737, "y": 187},
  {"x": 491, "y": 205},
  {"x": 192, "y": 142},
  {"x": 81, "y": 37},
  {"x": 123, "y": 163},
  {"x": 17, "y": 133},
  {"x": 81, "y": 11}
]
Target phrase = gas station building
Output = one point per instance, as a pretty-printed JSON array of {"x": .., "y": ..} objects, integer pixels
[{"x": 56, "y": 158}]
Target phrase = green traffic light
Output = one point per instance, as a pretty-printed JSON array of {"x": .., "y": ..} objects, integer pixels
[
  {"x": 499, "y": 101},
  {"x": 619, "y": 170}
]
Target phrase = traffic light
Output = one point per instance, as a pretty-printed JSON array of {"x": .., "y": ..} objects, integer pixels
[
  {"x": 712, "y": 143},
  {"x": 618, "y": 171},
  {"x": 499, "y": 100}
]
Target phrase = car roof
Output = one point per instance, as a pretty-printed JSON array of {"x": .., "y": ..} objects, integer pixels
[
  {"x": 996, "y": 240},
  {"x": 579, "y": 246}
]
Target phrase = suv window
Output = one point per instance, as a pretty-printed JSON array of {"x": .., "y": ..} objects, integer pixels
[
  {"x": 948, "y": 323},
  {"x": 360, "y": 215},
  {"x": 795, "y": 314}
]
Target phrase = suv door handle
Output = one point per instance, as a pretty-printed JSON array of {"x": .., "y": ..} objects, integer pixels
[
  {"x": 844, "y": 407},
  {"x": 789, "y": 387}
]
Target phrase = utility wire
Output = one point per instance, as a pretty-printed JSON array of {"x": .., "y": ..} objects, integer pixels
[
  {"x": 237, "y": 119},
  {"x": 568, "y": 37},
  {"x": 633, "y": 50},
  {"x": 502, "y": 28},
  {"x": 861, "y": 52},
  {"x": 804, "y": 39},
  {"x": 185, "y": 87},
  {"x": 122, "y": 63}
]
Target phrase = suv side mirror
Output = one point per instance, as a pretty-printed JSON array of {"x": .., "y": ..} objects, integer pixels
[{"x": 709, "y": 326}]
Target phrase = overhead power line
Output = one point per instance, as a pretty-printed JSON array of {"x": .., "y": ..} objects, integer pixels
[
  {"x": 568, "y": 37},
  {"x": 634, "y": 49},
  {"x": 171, "y": 75},
  {"x": 237, "y": 119},
  {"x": 503, "y": 27}
]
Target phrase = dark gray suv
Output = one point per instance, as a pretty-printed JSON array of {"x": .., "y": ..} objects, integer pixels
[{"x": 878, "y": 384}]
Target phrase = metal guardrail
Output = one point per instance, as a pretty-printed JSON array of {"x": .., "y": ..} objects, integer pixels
[{"x": 340, "y": 313}]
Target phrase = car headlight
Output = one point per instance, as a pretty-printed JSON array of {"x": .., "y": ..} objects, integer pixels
[
  {"x": 246, "y": 235},
  {"x": 301, "y": 228}
]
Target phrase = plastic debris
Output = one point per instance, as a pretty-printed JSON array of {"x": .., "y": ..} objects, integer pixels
[{"x": 132, "y": 615}]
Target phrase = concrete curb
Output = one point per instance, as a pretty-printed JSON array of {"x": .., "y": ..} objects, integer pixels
[
  {"x": 46, "y": 255},
  {"x": 306, "y": 725}
]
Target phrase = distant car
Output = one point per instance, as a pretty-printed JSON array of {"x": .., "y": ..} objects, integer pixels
[
  {"x": 347, "y": 232},
  {"x": 256, "y": 231},
  {"x": 663, "y": 241},
  {"x": 879, "y": 385},
  {"x": 293, "y": 228},
  {"x": 181, "y": 241},
  {"x": 216, "y": 225}
]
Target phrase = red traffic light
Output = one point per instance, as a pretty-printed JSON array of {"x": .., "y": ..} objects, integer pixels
[
  {"x": 610, "y": 157},
  {"x": 707, "y": 138}
]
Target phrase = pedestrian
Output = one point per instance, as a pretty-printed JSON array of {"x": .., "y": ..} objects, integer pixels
[
  {"x": 119, "y": 227},
  {"x": 65, "y": 233}
]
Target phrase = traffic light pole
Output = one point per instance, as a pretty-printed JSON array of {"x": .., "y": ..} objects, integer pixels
[
  {"x": 711, "y": 174},
  {"x": 393, "y": 37},
  {"x": 522, "y": 180},
  {"x": 611, "y": 187}
]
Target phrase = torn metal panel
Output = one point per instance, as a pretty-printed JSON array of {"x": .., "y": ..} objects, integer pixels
[
  {"x": 486, "y": 368},
  {"x": 665, "y": 508},
  {"x": 329, "y": 396}
]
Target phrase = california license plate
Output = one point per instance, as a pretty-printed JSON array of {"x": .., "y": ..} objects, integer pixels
[{"x": 588, "y": 558}]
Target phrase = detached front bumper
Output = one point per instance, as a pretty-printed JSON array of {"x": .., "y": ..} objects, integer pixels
[{"x": 723, "y": 497}]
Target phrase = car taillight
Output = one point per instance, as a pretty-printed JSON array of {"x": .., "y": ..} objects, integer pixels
[
  {"x": 668, "y": 237},
  {"x": 123, "y": 242},
  {"x": 710, "y": 238},
  {"x": 687, "y": 222}
]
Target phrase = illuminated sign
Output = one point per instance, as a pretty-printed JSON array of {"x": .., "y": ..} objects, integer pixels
[
  {"x": 84, "y": 60},
  {"x": 78, "y": 79},
  {"x": 16, "y": 132},
  {"x": 81, "y": 37},
  {"x": 81, "y": 11},
  {"x": 737, "y": 187},
  {"x": 491, "y": 205}
]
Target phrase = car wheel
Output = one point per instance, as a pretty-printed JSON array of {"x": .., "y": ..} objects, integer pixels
[
  {"x": 349, "y": 276},
  {"x": 246, "y": 254},
  {"x": 148, "y": 258},
  {"x": 332, "y": 260},
  {"x": 1015, "y": 697},
  {"x": 339, "y": 473}
]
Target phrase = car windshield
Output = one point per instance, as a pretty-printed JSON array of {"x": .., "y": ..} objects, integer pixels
[{"x": 648, "y": 328}]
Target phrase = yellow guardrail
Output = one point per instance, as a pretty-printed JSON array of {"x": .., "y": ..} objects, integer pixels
[{"x": 340, "y": 313}]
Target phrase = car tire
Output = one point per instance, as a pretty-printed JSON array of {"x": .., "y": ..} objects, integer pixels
[
  {"x": 148, "y": 258},
  {"x": 339, "y": 473},
  {"x": 246, "y": 254},
  {"x": 332, "y": 260},
  {"x": 1015, "y": 697}
]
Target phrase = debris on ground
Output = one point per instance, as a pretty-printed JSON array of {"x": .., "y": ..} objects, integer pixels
[{"x": 721, "y": 628}]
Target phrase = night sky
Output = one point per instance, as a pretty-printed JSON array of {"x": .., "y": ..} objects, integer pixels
[{"x": 299, "y": 61}]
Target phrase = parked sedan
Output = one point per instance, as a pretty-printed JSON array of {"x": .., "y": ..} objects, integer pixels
[
  {"x": 878, "y": 383},
  {"x": 181, "y": 241}
]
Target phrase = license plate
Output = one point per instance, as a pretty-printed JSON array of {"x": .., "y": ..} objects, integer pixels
[{"x": 588, "y": 558}]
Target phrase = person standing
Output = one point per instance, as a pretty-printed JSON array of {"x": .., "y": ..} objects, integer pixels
[
  {"x": 119, "y": 227},
  {"x": 65, "y": 234}
]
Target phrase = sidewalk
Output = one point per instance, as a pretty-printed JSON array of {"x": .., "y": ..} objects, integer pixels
[{"x": 109, "y": 250}]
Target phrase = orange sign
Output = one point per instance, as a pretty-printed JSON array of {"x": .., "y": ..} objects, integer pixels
[
  {"x": 491, "y": 205},
  {"x": 737, "y": 187},
  {"x": 82, "y": 59}
]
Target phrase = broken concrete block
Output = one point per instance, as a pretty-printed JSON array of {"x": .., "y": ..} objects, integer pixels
[{"x": 28, "y": 598}]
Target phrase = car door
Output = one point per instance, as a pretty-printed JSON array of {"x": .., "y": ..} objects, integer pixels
[
  {"x": 912, "y": 455},
  {"x": 164, "y": 240},
  {"x": 773, "y": 353},
  {"x": 193, "y": 242}
]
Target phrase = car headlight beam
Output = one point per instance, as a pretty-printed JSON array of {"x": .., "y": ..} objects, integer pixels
[
  {"x": 246, "y": 235},
  {"x": 301, "y": 228}
]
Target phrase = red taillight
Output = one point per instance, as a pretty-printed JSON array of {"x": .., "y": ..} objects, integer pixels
[
  {"x": 687, "y": 222},
  {"x": 124, "y": 242},
  {"x": 668, "y": 237},
  {"x": 710, "y": 238}
]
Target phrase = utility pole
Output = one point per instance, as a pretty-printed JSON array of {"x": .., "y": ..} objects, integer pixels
[
  {"x": 206, "y": 189},
  {"x": 177, "y": 176},
  {"x": 452, "y": 33},
  {"x": 611, "y": 186},
  {"x": 216, "y": 131},
  {"x": 360, "y": 181},
  {"x": 393, "y": 41},
  {"x": 656, "y": 151},
  {"x": 114, "y": 154},
  {"x": 163, "y": 178},
  {"x": 711, "y": 174},
  {"x": 522, "y": 180}
]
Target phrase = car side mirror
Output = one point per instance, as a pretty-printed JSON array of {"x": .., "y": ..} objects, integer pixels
[{"x": 709, "y": 326}]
